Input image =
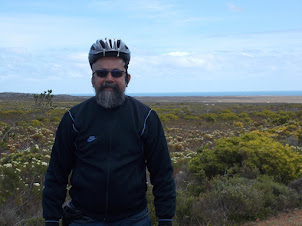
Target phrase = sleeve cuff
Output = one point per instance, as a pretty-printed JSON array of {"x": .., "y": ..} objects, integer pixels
[
  {"x": 52, "y": 223},
  {"x": 164, "y": 222}
]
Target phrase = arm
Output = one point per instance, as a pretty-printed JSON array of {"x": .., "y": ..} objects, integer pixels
[
  {"x": 160, "y": 168},
  {"x": 60, "y": 165}
]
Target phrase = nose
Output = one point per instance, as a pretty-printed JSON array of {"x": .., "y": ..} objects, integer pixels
[{"x": 109, "y": 77}]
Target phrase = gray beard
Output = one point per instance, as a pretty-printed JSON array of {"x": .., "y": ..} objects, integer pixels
[{"x": 109, "y": 98}]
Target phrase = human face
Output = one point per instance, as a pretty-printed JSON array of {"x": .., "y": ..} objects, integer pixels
[{"x": 109, "y": 63}]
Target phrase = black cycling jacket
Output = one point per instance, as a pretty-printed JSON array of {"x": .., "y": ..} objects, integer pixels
[{"x": 107, "y": 151}]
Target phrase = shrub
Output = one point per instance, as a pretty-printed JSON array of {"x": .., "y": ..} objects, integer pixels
[
  {"x": 21, "y": 181},
  {"x": 238, "y": 124},
  {"x": 164, "y": 117},
  {"x": 207, "y": 164},
  {"x": 252, "y": 151},
  {"x": 42, "y": 119},
  {"x": 277, "y": 197},
  {"x": 35, "y": 123},
  {"x": 281, "y": 120},
  {"x": 209, "y": 117},
  {"x": 55, "y": 119},
  {"x": 229, "y": 201},
  {"x": 228, "y": 116},
  {"x": 243, "y": 116},
  {"x": 297, "y": 185},
  {"x": 184, "y": 214}
]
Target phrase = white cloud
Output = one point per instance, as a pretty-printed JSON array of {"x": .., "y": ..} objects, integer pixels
[
  {"x": 233, "y": 7},
  {"x": 202, "y": 19},
  {"x": 178, "y": 54},
  {"x": 138, "y": 6},
  {"x": 78, "y": 57},
  {"x": 247, "y": 54}
]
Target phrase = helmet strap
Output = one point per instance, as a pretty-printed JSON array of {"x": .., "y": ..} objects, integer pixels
[{"x": 127, "y": 77}]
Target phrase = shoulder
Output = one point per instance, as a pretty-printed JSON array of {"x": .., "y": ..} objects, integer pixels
[
  {"x": 148, "y": 114},
  {"x": 85, "y": 106},
  {"x": 137, "y": 104},
  {"x": 138, "y": 110}
]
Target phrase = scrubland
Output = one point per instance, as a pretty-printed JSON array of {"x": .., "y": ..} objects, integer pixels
[{"x": 234, "y": 163}]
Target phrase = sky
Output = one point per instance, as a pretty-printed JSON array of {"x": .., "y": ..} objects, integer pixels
[{"x": 176, "y": 46}]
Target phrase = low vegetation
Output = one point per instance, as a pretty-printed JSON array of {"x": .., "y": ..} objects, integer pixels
[{"x": 233, "y": 163}]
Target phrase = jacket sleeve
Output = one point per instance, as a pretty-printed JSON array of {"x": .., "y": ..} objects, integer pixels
[
  {"x": 60, "y": 165},
  {"x": 160, "y": 167}
]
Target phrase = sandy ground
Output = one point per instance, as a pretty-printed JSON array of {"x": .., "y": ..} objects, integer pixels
[{"x": 226, "y": 99}]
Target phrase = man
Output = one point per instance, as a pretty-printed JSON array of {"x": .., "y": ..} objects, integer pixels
[{"x": 107, "y": 142}]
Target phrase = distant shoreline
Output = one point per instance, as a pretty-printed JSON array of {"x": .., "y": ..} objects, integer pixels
[
  {"x": 206, "y": 94},
  {"x": 265, "y": 99}
]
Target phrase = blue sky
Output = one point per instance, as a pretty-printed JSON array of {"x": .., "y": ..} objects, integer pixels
[{"x": 176, "y": 46}]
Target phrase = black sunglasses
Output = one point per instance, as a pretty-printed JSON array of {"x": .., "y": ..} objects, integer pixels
[{"x": 104, "y": 72}]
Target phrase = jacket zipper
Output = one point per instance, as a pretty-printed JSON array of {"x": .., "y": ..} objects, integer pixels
[{"x": 108, "y": 173}]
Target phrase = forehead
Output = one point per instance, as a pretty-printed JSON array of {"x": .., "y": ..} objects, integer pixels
[{"x": 109, "y": 63}]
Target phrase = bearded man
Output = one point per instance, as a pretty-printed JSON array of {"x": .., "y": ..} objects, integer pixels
[{"x": 106, "y": 143}]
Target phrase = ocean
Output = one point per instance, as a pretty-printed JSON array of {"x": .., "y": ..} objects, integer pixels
[{"x": 237, "y": 93}]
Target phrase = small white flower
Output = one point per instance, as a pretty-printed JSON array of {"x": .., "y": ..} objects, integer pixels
[
  {"x": 8, "y": 165},
  {"x": 47, "y": 156},
  {"x": 36, "y": 184},
  {"x": 44, "y": 164}
]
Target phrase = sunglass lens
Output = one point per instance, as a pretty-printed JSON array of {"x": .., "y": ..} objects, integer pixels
[
  {"x": 101, "y": 73},
  {"x": 116, "y": 73}
]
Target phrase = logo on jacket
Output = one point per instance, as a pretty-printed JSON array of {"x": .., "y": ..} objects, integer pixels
[{"x": 91, "y": 138}]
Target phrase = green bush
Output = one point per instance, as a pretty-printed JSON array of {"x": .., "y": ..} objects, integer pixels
[
  {"x": 241, "y": 201},
  {"x": 164, "y": 117},
  {"x": 277, "y": 197},
  {"x": 21, "y": 182},
  {"x": 227, "y": 201},
  {"x": 184, "y": 214},
  {"x": 243, "y": 116},
  {"x": 55, "y": 119},
  {"x": 229, "y": 116},
  {"x": 35, "y": 123},
  {"x": 252, "y": 151},
  {"x": 209, "y": 117}
]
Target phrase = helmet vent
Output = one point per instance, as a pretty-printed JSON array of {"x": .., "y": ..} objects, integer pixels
[
  {"x": 110, "y": 42},
  {"x": 118, "y": 43},
  {"x": 102, "y": 44}
]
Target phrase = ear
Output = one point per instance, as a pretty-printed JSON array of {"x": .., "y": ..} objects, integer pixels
[{"x": 129, "y": 78}]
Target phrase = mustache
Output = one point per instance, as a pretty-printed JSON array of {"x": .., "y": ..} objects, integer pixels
[{"x": 109, "y": 85}]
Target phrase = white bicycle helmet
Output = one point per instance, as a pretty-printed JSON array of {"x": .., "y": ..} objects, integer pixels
[{"x": 109, "y": 47}]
